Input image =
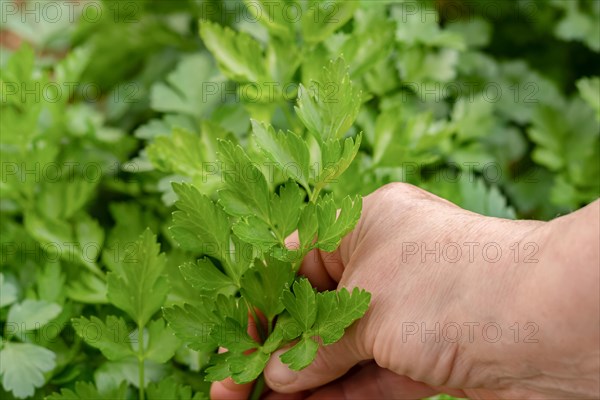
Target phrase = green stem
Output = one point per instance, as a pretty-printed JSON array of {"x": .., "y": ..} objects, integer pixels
[
  {"x": 257, "y": 390},
  {"x": 141, "y": 361},
  {"x": 297, "y": 263},
  {"x": 259, "y": 328},
  {"x": 315, "y": 193}
]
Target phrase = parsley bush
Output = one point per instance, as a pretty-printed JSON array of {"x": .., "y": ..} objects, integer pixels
[{"x": 157, "y": 155}]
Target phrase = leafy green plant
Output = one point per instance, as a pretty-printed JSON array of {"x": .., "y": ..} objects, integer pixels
[
  {"x": 138, "y": 287},
  {"x": 247, "y": 264}
]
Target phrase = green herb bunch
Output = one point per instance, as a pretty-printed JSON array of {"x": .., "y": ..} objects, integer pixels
[{"x": 247, "y": 268}]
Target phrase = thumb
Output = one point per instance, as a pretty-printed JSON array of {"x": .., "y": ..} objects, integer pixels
[{"x": 332, "y": 361}]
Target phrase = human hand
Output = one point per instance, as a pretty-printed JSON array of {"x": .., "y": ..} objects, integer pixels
[{"x": 439, "y": 275}]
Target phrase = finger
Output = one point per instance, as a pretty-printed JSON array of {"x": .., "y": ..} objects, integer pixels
[
  {"x": 312, "y": 266},
  {"x": 373, "y": 382},
  {"x": 285, "y": 396},
  {"x": 332, "y": 361},
  {"x": 452, "y": 392},
  {"x": 227, "y": 389},
  {"x": 323, "y": 269}
]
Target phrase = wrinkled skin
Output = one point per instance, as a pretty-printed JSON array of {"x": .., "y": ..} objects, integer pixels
[{"x": 517, "y": 308}]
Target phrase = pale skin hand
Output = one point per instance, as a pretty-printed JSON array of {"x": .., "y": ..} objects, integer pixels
[{"x": 538, "y": 299}]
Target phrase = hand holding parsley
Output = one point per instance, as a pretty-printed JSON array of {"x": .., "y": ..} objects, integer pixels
[{"x": 382, "y": 356}]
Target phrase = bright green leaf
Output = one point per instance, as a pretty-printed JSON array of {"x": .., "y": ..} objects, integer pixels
[
  {"x": 202, "y": 226},
  {"x": 162, "y": 342},
  {"x": 331, "y": 228},
  {"x": 233, "y": 336},
  {"x": 238, "y": 54},
  {"x": 193, "y": 324},
  {"x": 244, "y": 179},
  {"x": 300, "y": 302},
  {"x": 206, "y": 277},
  {"x": 321, "y": 19},
  {"x": 589, "y": 88},
  {"x": 87, "y": 391},
  {"x": 193, "y": 88},
  {"x": 301, "y": 354},
  {"x": 255, "y": 231},
  {"x": 50, "y": 283},
  {"x": 337, "y": 310},
  {"x": 329, "y": 107},
  {"x": 264, "y": 283},
  {"x": 286, "y": 208},
  {"x": 287, "y": 150},
  {"x": 246, "y": 368},
  {"x": 168, "y": 388}
]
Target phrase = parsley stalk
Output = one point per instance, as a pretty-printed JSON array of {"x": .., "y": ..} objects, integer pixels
[
  {"x": 259, "y": 385},
  {"x": 141, "y": 361}
]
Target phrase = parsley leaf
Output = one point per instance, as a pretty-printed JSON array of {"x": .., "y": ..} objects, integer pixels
[
  {"x": 8, "y": 291},
  {"x": 162, "y": 342},
  {"x": 192, "y": 324},
  {"x": 111, "y": 338},
  {"x": 169, "y": 389},
  {"x": 30, "y": 315},
  {"x": 207, "y": 278},
  {"x": 286, "y": 208},
  {"x": 589, "y": 88},
  {"x": 329, "y": 108},
  {"x": 202, "y": 226},
  {"x": 288, "y": 151},
  {"x": 87, "y": 391},
  {"x": 23, "y": 367},
  {"x": 338, "y": 310},
  {"x": 301, "y": 354},
  {"x": 185, "y": 91},
  {"x": 301, "y": 303},
  {"x": 238, "y": 54},
  {"x": 246, "y": 368},
  {"x": 331, "y": 228},
  {"x": 321, "y": 19},
  {"x": 141, "y": 288},
  {"x": 336, "y": 157},
  {"x": 325, "y": 314},
  {"x": 263, "y": 285},
  {"x": 246, "y": 184}
]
